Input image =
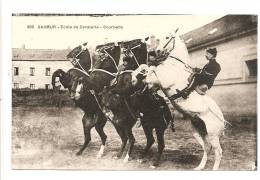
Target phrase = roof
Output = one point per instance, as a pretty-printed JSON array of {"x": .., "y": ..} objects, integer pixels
[
  {"x": 220, "y": 28},
  {"x": 22, "y": 54}
]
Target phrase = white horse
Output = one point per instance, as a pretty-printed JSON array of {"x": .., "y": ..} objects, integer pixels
[{"x": 173, "y": 74}]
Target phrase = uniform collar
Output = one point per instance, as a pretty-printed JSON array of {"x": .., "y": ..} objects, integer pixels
[{"x": 212, "y": 60}]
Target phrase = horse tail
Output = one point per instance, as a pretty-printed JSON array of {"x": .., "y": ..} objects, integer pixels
[
  {"x": 216, "y": 111},
  {"x": 54, "y": 75}
]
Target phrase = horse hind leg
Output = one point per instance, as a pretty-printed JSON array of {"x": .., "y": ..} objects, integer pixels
[
  {"x": 161, "y": 146},
  {"x": 214, "y": 141},
  {"x": 100, "y": 130},
  {"x": 87, "y": 126},
  {"x": 130, "y": 146},
  {"x": 201, "y": 141},
  {"x": 148, "y": 131},
  {"x": 124, "y": 139}
]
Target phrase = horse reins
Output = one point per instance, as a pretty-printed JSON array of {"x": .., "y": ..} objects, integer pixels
[
  {"x": 99, "y": 106},
  {"x": 94, "y": 94},
  {"x": 129, "y": 109},
  {"x": 113, "y": 60},
  {"x": 76, "y": 59}
]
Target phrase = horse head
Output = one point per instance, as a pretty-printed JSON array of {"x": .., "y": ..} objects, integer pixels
[
  {"x": 108, "y": 57},
  {"x": 145, "y": 76},
  {"x": 80, "y": 57},
  {"x": 135, "y": 53}
]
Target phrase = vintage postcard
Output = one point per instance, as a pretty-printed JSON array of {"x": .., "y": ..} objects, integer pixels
[{"x": 134, "y": 92}]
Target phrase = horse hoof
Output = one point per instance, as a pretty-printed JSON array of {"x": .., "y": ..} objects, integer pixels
[
  {"x": 99, "y": 156},
  {"x": 78, "y": 153},
  {"x": 153, "y": 167},
  {"x": 155, "y": 164},
  {"x": 126, "y": 160},
  {"x": 198, "y": 168},
  {"x": 116, "y": 157},
  {"x": 140, "y": 161}
]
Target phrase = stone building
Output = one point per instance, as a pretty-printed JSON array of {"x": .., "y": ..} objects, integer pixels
[
  {"x": 33, "y": 68},
  {"x": 235, "y": 37}
]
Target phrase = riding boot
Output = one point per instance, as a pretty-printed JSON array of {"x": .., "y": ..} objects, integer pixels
[
  {"x": 185, "y": 92},
  {"x": 168, "y": 116}
]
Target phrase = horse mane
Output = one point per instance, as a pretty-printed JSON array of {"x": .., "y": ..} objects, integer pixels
[
  {"x": 84, "y": 57},
  {"x": 86, "y": 65},
  {"x": 115, "y": 53},
  {"x": 130, "y": 44},
  {"x": 139, "y": 49},
  {"x": 107, "y": 45}
]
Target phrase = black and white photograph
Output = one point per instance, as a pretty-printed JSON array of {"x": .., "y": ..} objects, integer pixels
[{"x": 134, "y": 92}]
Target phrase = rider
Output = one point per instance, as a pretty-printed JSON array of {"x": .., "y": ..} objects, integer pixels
[{"x": 202, "y": 79}]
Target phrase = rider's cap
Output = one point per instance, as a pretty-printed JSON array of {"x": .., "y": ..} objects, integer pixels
[{"x": 212, "y": 51}]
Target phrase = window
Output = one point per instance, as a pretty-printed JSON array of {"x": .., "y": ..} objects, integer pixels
[
  {"x": 47, "y": 86},
  {"x": 32, "y": 86},
  {"x": 48, "y": 72},
  {"x": 16, "y": 85},
  {"x": 252, "y": 68},
  {"x": 16, "y": 71},
  {"x": 32, "y": 71}
]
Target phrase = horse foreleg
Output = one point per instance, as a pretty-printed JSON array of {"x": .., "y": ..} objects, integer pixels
[
  {"x": 131, "y": 145},
  {"x": 100, "y": 130},
  {"x": 214, "y": 141},
  {"x": 88, "y": 124},
  {"x": 202, "y": 143},
  {"x": 149, "y": 141},
  {"x": 161, "y": 146}
]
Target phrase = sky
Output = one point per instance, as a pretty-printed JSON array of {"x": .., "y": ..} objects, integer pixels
[{"x": 79, "y": 29}]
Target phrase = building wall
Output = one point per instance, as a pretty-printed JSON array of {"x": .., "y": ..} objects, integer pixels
[
  {"x": 231, "y": 57},
  {"x": 237, "y": 99},
  {"x": 234, "y": 91},
  {"x": 39, "y": 79}
]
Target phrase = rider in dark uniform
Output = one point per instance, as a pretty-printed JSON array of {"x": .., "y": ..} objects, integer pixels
[{"x": 204, "y": 77}]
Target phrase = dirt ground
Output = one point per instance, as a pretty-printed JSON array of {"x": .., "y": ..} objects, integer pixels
[{"x": 48, "y": 138}]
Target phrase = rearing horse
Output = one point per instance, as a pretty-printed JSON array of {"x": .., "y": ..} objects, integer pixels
[
  {"x": 101, "y": 76},
  {"x": 172, "y": 74},
  {"x": 126, "y": 104},
  {"x": 93, "y": 117}
]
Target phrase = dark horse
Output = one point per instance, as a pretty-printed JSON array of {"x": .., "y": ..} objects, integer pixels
[
  {"x": 131, "y": 49},
  {"x": 93, "y": 116},
  {"x": 126, "y": 104},
  {"x": 81, "y": 58},
  {"x": 125, "y": 101},
  {"x": 88, "y": 101}
]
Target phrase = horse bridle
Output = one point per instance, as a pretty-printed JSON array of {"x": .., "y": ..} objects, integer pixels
[
  {"x": 110, "y": 57},
  {"x": 75, "y": 59}
]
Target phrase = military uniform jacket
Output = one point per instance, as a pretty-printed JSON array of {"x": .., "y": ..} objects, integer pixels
[{"x": 209, "y": 73}]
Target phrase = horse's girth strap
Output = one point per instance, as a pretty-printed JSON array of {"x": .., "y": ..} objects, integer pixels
[
  {"x": 99, "y": 106},
  {"x": 129, "y": 109}
]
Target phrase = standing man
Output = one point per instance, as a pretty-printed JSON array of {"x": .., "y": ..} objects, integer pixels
[{"x": 202, "y": 79}]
